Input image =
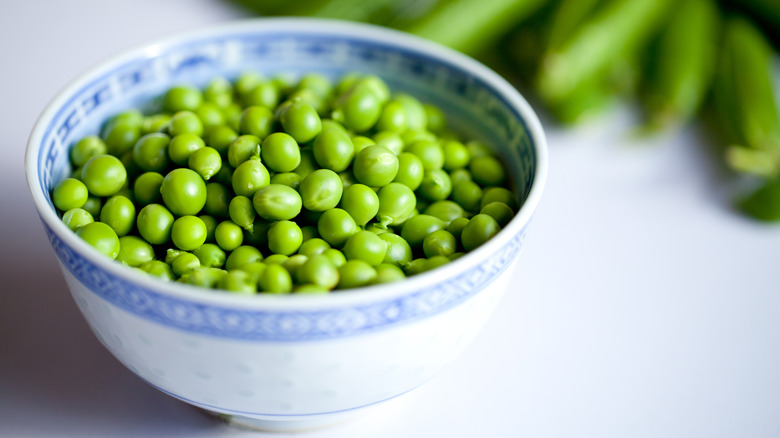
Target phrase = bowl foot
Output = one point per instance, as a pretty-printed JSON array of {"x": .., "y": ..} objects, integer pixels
[{"x": 286, "y": 425}]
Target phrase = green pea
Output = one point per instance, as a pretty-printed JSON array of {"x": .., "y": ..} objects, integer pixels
[
  {"x": 242, "y": 148},
  {"x": 460, "y": 175},
  {"x": 76, "y": 218},
  {"x": 263, "y": 94},
  {"x": 313, "y": 246},
  {"x": 445, "y": 210},
  {"x": 204, "y": 276},
  {"x": 119, "y": 213},
  {"x": 246, "y": 82},
  {"x": 396, "y": 203},
  {"x": 276, "y": 202},
  {"x": 359, "y": 108},
  {"x": 333, "y": 149},
  {"x": 101, "y": 237},
  {"x": 134, "y": 251},
  {"x": 158, "y": 269},
  {"x": 416, "y": 117},
  {"x": 360, "y": 142},
  {"x": 499, "y": 211},
  {"x": 289, "y": 179},
  {"x": 317, "y": 83},
  {"x": 335, "y": 256},
  {"x": 257, "y": 121},
  {"x": 429, "y": 152},
  {"x": 318, "y": 270},
  {"x": 336, "y": 226},
  {"x": 479, "y": 230},
  {"x": 185, "y": 122},
  {"x": 219, "y": 91},
  {"x": 390, "y": 140},
  {"x": 242, "y": 212},
  {"x": 275, "y": 279},
  {"x": 217, "y": 200},
  {"x": 499, "y": 194},
  {"x": 436, "y": 185},
  {"x": 249, "y": 177},
  {"x": 284, "y": 237},
  {"x": 478, "y": 149},
  {"x": 439, "y": 242},
  {"x": 375, "y": 166},
  {"x": 387, "y": 273},
  {"x": 310, "y": 231},
  {"x": 319, "y": 104},
  {"x": 300, "y": 120},
  {"x": 456, "y": 227},
  {"x": 416, "y": 266},
  {"x": 361, "y": 202},
  {"x": 182, "y": 146},
  {"x": 241, "y": 256},
  {"x": 70, "y": 193},
  {"x": 233, "y": 113},
  {"x": 150, "y": 152},
  {"x": 120, "y": 137},
  {"x": 185, "y": 263},
  {"x": 103, "y": 175},
  {"x": 393, "y": 117},
  {"x": 93, "y": 205},
  {"x": 155, "y": 123},
  {"x": 456, "y": 155},
  {"x": 437, "y": 122},
  {"x": 183, "y": 192},
  {"x": 154, "y": 223},
  {"x": 220, "y": 138},
  {"x": 321, "y": 190},
  {"x": 188, "y": 233},
  {"x": 237, "y": 282},
  {"x": 356, "y": 273},
  {"x": 436, "y": 261},
  {"x": 410, "y": 170},
  {"x": 228, "y": 235},
  {"x": 468, "y": 194},
  {"x": 182, "y": 97},
  {"x": 211, "y": 115},
  {"x": 366, "y": 246},
  {"x": 280, "y": 152},
  {"x": 86, "y": 148},
  {"x": 254, "y": 269},
  {"x": 210, "y": 255},
  {"x": 206, "y": 161},
  {"x": 308, "y": 163},
  {"x": 487, "y": 171},
  {"x": 417, "y": 227},
  {"x": 146, "y": 189},
  {"x": 347, "y": 179},
  {"x": 309, "y": 288},
  {"x": 276, "y": 259}
]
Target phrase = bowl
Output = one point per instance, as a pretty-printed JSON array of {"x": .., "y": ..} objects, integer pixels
[{"x": 290, "y": 362}]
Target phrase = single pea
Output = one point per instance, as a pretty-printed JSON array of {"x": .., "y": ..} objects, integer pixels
[
  {"x": 70, "y": 193},
  {"x": 366, "y": 246},
  {"x": 356, "y": 273},
  {"x": 257, "y": 121},
  {"x": 103, "y": 175},
  {"x": 310, "y": 231},
  {"x": 206, "y": 161},
  {"x": 396, "y": 203},
  {"x": 280, "y": 152},
  {"x": 319, "y": 104},
  {"x": 393, "y": 117},
  {"x": 456, "y": 255},
  {"x": 416, "y": 117},
  {"x": 377, "y": 85},
  {"x": 361, "y": 202},
  {"x": 146, "y": 189},
  {"x": 346, "y": 82},
  {"x": 468, "y": 194},
  {"x": 321, "y": 190},
  {"x": 440, "y": 242},
  {"x": 76, "y": 218},
  {"x": 436, "y": 261},
  {"x": 335, "y": 256},
  {"x": 211, "y": 226},
  {"x": 289, "y": 179},
  {"x": 237, "y": 282},
  {"x": 460, "y": 175},
  {"x": 228, "y": 235},
  {"x": 479, "y": 230},
  {"x": 276, "y": 259},
  {"x": 232, "y": 114},
  {"x": 204, "y": 276},
  {"x": 241, "y": 256},
  {"x": 359, "y": 108},
  {"x": 417, "y": 227},
  {"x": 188, "y": 233},
  {"x": 336, "y": 226},
  {"x": 437, "y": 122},
  {"x": 387, "y": 273},
  {"x": 184, "y": 263},
  {"x": 487, "y": 171},
  {"x": 436, "y": 185},
  {"x": 429, "y": 152},
  {"x": 360, "y": 142},
  {"x": 154, "y": 223},
  {"x": 242, "y": 212},
  {"x": 478, "y": 149},
  {"x": 246, "y": 82},
  {"x": 120, "y": 137},
  {"x": 309, "y": 288},
  {"x": 276, "y": 202},
  {"x": 456, "y": 227},
  {"x": 263, "y": 94},
  {"x": 390, "y": 140},
  {"x": 150, "y": 152},
  {"x": 155, "y": 123},
  {"x": 317, "y": 83},
  {"x": 211, "y": 115},
  {"x": 318, "y": 270},
  {"x": 250, "y": 176},
  {"x": 158, "y": 269},
  {"x": 499, "y": 194},
  {"x": 333, "y": 149},
  {"x": 86, "y": 148},
  {"x": 284, "y": 237},
  {"x": 185, "y": 122},
  {"x": 210, "y": 255},
  {"x": 410, "y": 170},
  {"x": 313, "y": 246},
  {"x": 499, "y": 211},
  {"x": 416, "y": 266},
  {"x": 308, "y": 163},
  {"x": 118, "y": 213},
  {"x": 134, "y": 251},
  {"x": 456, "y": 155},
  {"x": 219, "y": 91},
  {"x": 171, "y": 254},
  {"x": 445, "y": 210},
  {"x": 217, "y": 200},
  {"x": 254, "y": 269},
  {"x": 93, "y": 205},
  {"x": 101, "y": 237},
  {"x": 275, "y": 279},
  {"x": 411, "y": 136},
  {"x": 183, "y": 192},
  {"x": 300, "y": 120},
  {"x": 182, "y": 97},
  {"x": 220, "y": 137},
  {"x": 375, "y": 166},
  {"x": 242, "y": 148},
  {"x": 182, "y": 146}
]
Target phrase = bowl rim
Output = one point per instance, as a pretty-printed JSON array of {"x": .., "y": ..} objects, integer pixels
[{"x": 331, "y": 27}]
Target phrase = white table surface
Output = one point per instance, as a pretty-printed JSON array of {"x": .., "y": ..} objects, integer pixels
[{"x": 645, "y": 307}]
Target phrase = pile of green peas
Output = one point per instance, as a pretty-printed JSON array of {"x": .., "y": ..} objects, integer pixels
[{"x": 274, "y": 186}]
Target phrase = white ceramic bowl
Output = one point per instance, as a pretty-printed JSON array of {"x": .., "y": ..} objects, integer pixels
[{"x": 290, "y": 362}]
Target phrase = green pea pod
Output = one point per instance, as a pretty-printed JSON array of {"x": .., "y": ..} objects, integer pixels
[
  {"x": 616, "y": 30},
  {"x": 681, "y": 63},
  {"x": 567, "y": 18}
]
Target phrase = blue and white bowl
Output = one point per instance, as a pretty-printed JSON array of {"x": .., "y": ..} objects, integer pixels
[{"x": 290, "y": 362}]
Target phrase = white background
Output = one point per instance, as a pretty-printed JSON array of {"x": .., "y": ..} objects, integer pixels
[{"x": 644, "y": 306}]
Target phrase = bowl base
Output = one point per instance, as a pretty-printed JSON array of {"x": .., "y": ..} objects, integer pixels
[{"x": 285, "y": 426}]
